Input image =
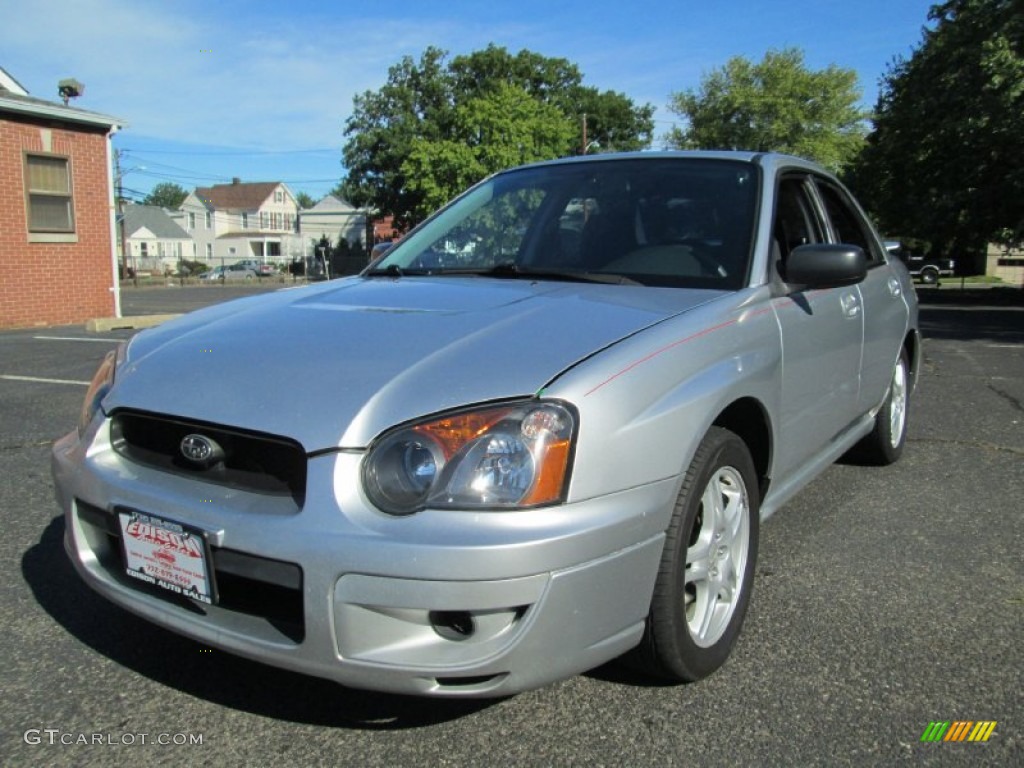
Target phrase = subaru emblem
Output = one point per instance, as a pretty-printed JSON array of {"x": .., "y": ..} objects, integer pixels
[{"x": 200, "y": 450}]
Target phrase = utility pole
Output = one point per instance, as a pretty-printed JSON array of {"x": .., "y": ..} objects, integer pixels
[
  {"x": 583, "y": 146},
  {"x": 120, "y": 210}
]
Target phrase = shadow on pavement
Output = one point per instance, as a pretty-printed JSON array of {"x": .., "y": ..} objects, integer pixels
[
  {"x": 994, "y": 314},
  {"x": 218, "y": 677}
]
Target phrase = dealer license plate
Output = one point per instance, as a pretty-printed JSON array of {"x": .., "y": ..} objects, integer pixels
[{"x": 170, "y": 555}]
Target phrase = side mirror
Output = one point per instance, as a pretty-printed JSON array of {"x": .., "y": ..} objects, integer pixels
[{"x": 825, "y": 265}]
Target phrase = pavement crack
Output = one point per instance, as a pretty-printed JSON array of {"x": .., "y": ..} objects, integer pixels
[
  {"x": 1013, "y": 401},
  {"x": 4, "y": 447},
  {"x": 984, "y": 445}
]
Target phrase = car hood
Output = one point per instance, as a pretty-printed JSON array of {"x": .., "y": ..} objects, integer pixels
[{"x": 333, "y": 365}]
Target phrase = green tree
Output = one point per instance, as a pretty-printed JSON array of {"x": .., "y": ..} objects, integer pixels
[
  {"x": 502, "y": 128},
  {"x": 166, "y": 194},
  {"x": 775, "y": 105},
  {"x": 305, "y": 200},
  {"x": 945, "y": 162},
  {"x": 420, "y": 121}
]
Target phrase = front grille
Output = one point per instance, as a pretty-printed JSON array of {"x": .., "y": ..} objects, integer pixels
[
  {"x": 251, "y": 461},
  {"x": 247, "y": 585}
]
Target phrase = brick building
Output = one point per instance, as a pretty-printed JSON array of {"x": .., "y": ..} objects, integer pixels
[{"x": 56, "y": 211}]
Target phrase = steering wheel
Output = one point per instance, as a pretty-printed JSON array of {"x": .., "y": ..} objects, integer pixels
[{"x": 697, "y": 246}]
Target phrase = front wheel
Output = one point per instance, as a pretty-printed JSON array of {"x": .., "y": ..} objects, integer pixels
[
  {"x": 930, "y": 276},
  {"x": 707, "y": 567}
]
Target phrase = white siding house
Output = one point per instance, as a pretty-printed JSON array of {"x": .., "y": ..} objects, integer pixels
[
  {"x": 333, "y": 218},
  {"x": 236, "y": 221},
  {"x": 155, "y": 242}
]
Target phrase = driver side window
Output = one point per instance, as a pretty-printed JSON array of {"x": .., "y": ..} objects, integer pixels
[
  {"x": 796, "y": 222},
  {"x": 848, "y": 225}
]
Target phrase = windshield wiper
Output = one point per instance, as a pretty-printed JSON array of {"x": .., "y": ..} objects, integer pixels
[
  {"x": 507, "y": 270},
  {"x": 391, "y": 270},
  {"x": 513, "y": 271}
]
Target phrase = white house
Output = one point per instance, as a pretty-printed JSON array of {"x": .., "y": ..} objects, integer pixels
[
  {"x": 236, "y": 221},
  {"x": 155, "y": 242},
  {"x": 333, "y": 218}
]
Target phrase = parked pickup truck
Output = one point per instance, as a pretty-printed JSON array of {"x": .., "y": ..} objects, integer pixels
[{"x": 927, "y": 269}]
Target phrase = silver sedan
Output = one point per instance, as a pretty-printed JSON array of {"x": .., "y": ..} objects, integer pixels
[{"x": 541, "y": 433}]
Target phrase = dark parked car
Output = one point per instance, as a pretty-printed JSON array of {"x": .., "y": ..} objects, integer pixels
[{"x": 927, "y": 269}]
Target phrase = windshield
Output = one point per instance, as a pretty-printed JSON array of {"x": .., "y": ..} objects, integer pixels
[{"x": 658, "y": 221}]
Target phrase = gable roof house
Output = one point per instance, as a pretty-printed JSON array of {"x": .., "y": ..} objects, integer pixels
[
  {"x": 333, "y": 218},
  {"x": 155, "y": 242},
  {"x": 232, "y": 222},
  {"x": 56, "y": 211}
]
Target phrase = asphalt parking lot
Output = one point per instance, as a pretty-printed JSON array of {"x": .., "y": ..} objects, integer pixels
[{"x": 885, "y": 599}]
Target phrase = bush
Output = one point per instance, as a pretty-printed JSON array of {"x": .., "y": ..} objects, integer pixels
[{"x": 193, "y": 267}]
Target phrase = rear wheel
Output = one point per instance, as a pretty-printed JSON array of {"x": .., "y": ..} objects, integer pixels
[
  {"x": 884, "y": 445},
  {"x": 929, "y": 276},
  {"x": 707, "y": 567}
]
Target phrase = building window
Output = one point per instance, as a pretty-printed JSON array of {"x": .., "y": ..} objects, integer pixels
[
  {"x": 191, "y": 221},
  {"x": 245, "y": 220},
  {"x": 277, "y": 220},
  {"x": 209, "y": 250},
  {"x": 50, "y": 206},
  {"x": 209, "y": 219},
  {"x": 144, "y": 250},
  {"x": 263, "y": 220},
  {"x": 278, "y": 196}
]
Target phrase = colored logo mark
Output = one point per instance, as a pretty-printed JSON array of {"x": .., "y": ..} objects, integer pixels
[{"x": 959, "y": 730}]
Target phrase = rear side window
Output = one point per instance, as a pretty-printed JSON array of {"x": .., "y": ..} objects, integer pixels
[{"x": 847, "y": 223}]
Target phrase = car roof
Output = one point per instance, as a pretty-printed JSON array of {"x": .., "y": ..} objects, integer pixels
[{"x": 767, "y": 160}]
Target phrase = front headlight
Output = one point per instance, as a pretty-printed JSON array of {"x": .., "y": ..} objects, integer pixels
[
  {"x": 100, "y": 386},
  {"x": 499, "y": 457}
]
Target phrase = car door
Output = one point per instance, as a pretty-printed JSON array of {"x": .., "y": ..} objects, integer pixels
[
  {"x": 822, "y": 335},
  {"x": 884, "y": 308}
]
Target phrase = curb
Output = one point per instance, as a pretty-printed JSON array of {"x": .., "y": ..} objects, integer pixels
[{"x": 101, "y": 324}]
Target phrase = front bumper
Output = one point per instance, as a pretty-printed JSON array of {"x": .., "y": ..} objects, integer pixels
[{"x": 439, "y": 603}]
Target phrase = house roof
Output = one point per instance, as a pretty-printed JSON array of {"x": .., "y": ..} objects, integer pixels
[
  {"x": 8, "y": 83},
  {"x": 15, "y": 99},
  {"x": 237, "y": 196},
  {"x": 155, "y": 219},
  {"x": 330, "y": 204}
]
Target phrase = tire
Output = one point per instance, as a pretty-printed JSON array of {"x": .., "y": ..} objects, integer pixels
[
  {"x": 884, "y": 444},
  {"x": 929, "y": 276},
  {"x": 707, "y": 567}
]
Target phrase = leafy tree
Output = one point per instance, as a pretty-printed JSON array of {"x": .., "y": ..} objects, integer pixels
[
  {"x": 444, "y": 117},
  {"x": 776, "y": 105},
  {"x": 305, "y": 200},
  {"x": 500, "y": 129},
  {"x": 414, "y": 103},
  {"x": 945, "y": 161},
  {"x": 613, "y": 121},
  {"x": 166, "y": 194}
]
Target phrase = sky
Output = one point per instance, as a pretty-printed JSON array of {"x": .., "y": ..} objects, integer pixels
[{"x": 260, "y": 90}]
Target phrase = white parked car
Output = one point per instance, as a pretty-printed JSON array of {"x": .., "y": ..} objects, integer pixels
[{"x": 230, "y": 272}]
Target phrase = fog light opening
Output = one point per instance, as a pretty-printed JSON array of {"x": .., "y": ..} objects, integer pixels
[{"x": 453, "y": 625}]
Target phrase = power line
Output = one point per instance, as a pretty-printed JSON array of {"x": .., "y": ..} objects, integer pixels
[{"x": 232, "y": 152}]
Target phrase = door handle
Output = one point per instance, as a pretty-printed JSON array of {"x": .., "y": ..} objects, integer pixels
[{"x": 850, "y": 304}]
